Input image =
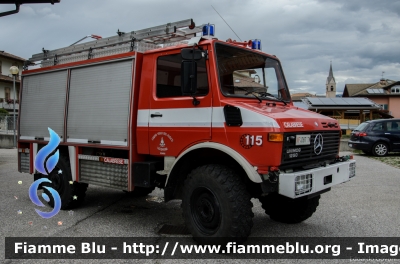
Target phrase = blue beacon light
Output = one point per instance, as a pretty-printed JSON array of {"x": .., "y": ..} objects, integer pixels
[
  {"x": 208, "y": 30},
  {"x": 256, "y": 44}
]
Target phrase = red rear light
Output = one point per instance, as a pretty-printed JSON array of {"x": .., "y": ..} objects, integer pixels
[{"x": 360, "y": 134}]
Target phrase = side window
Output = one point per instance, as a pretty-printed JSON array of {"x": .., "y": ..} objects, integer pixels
[
  {"x": 393, "y": 126},
  {"x": 378, "y": 127},
  {"x": 169, "y": 76}
]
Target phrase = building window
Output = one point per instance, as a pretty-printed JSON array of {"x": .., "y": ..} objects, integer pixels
[
  {"x": 385, "y": 106},
  {"x": 331, "y": 88},
  {"x": 169, "y": 76},
  {"x": 7, "y": 93},
  {"x": 395, "y": 89}
]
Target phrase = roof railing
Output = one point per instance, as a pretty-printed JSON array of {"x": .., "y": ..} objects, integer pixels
[{"x": 139, "y": 40}]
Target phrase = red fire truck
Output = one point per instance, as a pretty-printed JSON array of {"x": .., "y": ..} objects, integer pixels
[{"x": 211, "y": 122}]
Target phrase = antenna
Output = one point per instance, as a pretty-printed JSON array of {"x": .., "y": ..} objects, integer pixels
[{"x": 226, "y": 23}]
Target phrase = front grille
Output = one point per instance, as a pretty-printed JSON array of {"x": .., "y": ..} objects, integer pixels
[{"x": 299, "y": 156}]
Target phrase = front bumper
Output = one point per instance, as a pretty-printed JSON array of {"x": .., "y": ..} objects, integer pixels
[{"x": 307, "y": 182}]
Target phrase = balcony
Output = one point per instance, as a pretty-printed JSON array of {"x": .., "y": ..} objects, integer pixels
[{"x": 8, "y": 105}]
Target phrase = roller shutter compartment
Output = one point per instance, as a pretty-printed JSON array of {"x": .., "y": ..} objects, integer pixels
[
  {"x": 99, "y": 97},
  {"x": 43, "y": 104}
]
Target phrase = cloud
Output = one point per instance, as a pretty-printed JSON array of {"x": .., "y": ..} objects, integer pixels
[
  {"x": 27, "y": 10},
  {"x": 44, "y": 11},
  {"x": 360, "y": 37}
]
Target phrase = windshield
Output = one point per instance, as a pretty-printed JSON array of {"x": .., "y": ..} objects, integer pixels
[{"x": 243, "y": 73}]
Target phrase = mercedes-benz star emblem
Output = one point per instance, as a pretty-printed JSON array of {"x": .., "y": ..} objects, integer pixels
[{"x": 318, "y": 144}]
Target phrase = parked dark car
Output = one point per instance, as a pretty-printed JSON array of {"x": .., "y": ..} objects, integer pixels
[{"x": 377, "y": 137}]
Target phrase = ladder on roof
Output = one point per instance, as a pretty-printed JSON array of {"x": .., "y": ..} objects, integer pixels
[{"x": 139, "y": 40}]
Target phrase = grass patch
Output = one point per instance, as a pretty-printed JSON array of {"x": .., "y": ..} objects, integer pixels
[{"x": 392, "y": 159}]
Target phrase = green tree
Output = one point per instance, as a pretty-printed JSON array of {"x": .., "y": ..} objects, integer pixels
[{"x": 3, "y": 114}]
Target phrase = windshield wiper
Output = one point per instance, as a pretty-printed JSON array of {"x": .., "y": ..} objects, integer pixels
[
  {"x": 262, "y": 94},
  {"x": 265, "y": 94},
  {"x": 249, "y": 92}
]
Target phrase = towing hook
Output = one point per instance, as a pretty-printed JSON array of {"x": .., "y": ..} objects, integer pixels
[{"x": 273, "y": 176}]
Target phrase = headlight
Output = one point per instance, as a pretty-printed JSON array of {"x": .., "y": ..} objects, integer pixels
[
  {"x": 303, "y": 184},
  {"x": 352, "y": 170}
]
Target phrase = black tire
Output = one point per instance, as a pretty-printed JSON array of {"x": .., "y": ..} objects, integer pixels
[
  {"x": 216, "y": 204},
  {"x": 380, "y": 149},
  {"x": 72, "y": 195},
  {"x": 286, "y": 210},
  {"x": 140, "y": 191}
]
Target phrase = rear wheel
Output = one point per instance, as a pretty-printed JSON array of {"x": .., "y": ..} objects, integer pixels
[
  {"x": 380, "y": 149},
  {"x": 72, "y": 193},
  {"x": 286, "y": 210},
  {"x": 216, "y": 204}
]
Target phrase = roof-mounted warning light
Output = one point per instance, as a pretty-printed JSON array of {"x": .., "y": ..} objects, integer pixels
[
  {"x": 208, "y": 30},
  {"x": 256, "y": 44}
]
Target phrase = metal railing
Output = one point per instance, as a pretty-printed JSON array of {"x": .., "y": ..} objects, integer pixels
[{"x": 7, "y": 124}]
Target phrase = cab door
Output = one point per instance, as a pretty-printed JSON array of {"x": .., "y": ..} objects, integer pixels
[{"x": 175, "y": 122}]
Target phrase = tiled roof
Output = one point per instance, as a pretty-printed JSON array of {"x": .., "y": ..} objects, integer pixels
[
  {"x": 361, "y": 89},
  {"x": 353, "y": 89},
  {"x": 299, "y": 96},
  {"x": 302, "y": 94},
  {"x": 10, "y": 56}
]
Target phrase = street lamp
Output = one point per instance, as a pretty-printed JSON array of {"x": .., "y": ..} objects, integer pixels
[{"x": 14, "y": 71}]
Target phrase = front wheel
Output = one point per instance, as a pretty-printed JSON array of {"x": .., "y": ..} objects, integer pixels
[
  {"x": 380, "y": 149},
  {"x": 216, "y": 204},
  {"x": 286, "y": 210}
]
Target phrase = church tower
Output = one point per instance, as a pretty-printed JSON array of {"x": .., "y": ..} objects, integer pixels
[{"x": 330, "y": 84}]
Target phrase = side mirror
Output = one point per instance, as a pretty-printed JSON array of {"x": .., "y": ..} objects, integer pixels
[
  {"x": 190, "y": 54},
  {"x": 188, "y": 77}
]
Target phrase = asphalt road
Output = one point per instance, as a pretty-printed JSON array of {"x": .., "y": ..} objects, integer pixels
[{"x": 367, "y": 206}]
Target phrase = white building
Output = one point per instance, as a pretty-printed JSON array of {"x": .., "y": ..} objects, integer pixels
[{"x": 6, "y": 80}]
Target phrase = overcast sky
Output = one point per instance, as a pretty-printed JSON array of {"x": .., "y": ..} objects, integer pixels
[{"x": 360, "y": 37}]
